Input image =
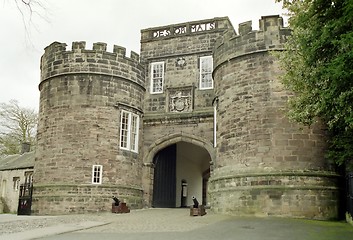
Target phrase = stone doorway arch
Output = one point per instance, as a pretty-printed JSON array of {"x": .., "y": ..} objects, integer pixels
[{"x": 194, "y": 157}]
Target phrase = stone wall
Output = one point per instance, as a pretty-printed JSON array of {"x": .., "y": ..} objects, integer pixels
[
  {"x": 197, "y": 39},
  {"x": 180, "y": 47},
  {"x": 82, "y": 93},
  {"x": 266, "y": 165},
  {"x": 82, "y": 198}
]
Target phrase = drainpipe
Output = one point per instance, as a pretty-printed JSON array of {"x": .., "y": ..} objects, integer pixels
[{"x": 215, "y": 106}]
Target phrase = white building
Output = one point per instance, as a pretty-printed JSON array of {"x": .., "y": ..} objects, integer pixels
[{"x": 14, "y": 171}]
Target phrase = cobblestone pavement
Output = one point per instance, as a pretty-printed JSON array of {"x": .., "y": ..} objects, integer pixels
[{"x": 167, "y": 224}]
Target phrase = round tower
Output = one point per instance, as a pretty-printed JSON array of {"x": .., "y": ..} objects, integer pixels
[
  {"x": 91, "y": 103},
  {"x": 265, "y": 164}
]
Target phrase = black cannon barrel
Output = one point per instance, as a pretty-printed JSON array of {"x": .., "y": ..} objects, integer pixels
[
  {"x": 116, "y": 200},
  {"x": 196, "y": 203}
]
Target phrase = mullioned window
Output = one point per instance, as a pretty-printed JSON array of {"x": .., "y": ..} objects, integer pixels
[
  {"x": 206, "y": 68},
  {"x": 129, "y": 129},
  {"x": 157, "y": 77}
]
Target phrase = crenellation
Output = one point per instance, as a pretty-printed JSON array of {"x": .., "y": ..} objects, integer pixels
[
  {"x": 271, "y": 36},
  {"x": 134, "y": 56},
  {"x": 120, "y": 51},
  {"x": 55, "y": 47},
  {"x": 78, "y": 46},
  {"x": 99, "y": 50},
  {"x": 245, "y": 27},
  {"x": 58, "y": 61},
  {"x": 268, "y": 23},
  {"x": 99, "y": 46}
]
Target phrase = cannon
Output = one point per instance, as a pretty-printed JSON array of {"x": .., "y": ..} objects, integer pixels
[
  {"x": 119, "y": 206},
  {"x": 116, "y": 201},
  {"x": 196, "y": 203},
  {"x": 197, "y": 209}
]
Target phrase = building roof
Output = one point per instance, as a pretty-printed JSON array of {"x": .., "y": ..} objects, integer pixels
[{"x": 17, "y": 161}]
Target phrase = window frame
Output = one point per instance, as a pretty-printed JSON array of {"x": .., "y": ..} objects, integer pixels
[
  {"x": 129, "y": 131},
  {"x": 100, "y": 171},
  {"x": 134, "y": 133},
  {"x": 16, "y": 183},
  {"x": 154, "y": 78},
  {"x": 28, "y": 177},
  {"x": 207, "y": 72}
]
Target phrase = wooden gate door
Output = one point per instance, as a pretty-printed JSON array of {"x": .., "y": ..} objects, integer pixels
[{"x": 164, "y": 181}]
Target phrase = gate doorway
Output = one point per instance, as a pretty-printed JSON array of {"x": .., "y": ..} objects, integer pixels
[
  {"x": 164, "y": 178},
  {"x": 181, "y": 170},
  {"x": 25, "y": 197}
]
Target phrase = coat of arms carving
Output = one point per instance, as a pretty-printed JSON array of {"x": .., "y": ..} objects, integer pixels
[{"x": 180, "y": 100}]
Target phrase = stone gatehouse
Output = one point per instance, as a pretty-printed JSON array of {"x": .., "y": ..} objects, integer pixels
[{"x": 200, "y": 112}]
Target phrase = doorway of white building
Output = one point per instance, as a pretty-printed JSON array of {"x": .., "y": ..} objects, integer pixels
[{"x": 181, "y": 171}]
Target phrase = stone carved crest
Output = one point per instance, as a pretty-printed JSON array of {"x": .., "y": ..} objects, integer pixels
[
  {"x": 180, "y": 99},
  {"x": 180, "y": 62}
]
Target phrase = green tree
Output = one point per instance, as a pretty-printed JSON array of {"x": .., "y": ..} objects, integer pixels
[
  {"x": 17, "y": 125},
  {"x": 318, "y": 64}
]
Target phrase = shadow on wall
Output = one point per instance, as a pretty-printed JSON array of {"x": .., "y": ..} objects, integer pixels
[{"x": 3, "y": 206}]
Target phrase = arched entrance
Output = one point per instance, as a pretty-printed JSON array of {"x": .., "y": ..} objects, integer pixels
[{"x": 181, "y": 170}]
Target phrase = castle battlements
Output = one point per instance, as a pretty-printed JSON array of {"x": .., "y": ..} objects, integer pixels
[
  {"x": 98, "y": 47},
  {"x": 270, "y": 36},
  {"x": 57, "y": 60}
]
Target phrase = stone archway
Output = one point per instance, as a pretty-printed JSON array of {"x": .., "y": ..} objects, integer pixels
[{"x": 194, "y": 157}]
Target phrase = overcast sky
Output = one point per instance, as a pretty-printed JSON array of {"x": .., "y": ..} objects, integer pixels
[{"x": 111, "y": 21}]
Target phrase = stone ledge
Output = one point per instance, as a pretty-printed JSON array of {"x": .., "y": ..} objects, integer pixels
[
  {"x": 287, "y": 173},
  {"x": 170, "y": 116},
  {"x": 271, "y": 187},
  {"x": 87, "y": 185},
  {"x": 75, "y": 73}
]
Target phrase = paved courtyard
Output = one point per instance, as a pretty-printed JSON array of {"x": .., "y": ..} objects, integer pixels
[{"x": 167, "y": 224}]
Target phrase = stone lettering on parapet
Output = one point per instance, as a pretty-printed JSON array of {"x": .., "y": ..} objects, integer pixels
[
  {"x": 161, "y": 33},
  {"x": 183, "y": 29},
  {"x": 203, "y": 27}
]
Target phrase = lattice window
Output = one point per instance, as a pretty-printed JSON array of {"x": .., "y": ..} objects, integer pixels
[
  {"x": 134, "y": 132},
  {"x": 129, "y": 129},
  {"x": 206, "y": 68},
  {"x": 124, "y": 129},
  {"x": 97, "y": 172},
  {"x": 157, "y": 77}
]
